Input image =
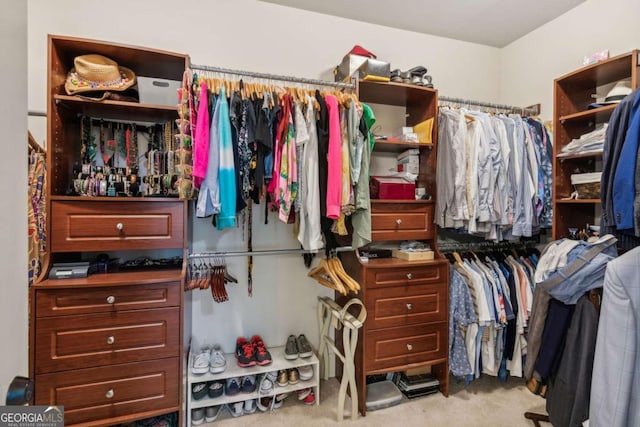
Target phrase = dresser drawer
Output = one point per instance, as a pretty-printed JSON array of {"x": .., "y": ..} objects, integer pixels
[
  {"x": 78, "y": 226},
  {"x": 406, "y": 305},
  {"x": 58, "y": 302},
  {"x": 435, "y": 272},
  {"x": 398, "y": 347},
  {"x": 401, "y": 221},
  {"x": 110, "y": 392},
  {"x": 73, "y": 342}
]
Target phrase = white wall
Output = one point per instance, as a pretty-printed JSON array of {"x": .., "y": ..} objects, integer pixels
[
  {"x": 251, "y": 35},
  {"x": 13, "y": 215},
  {"x": 529, "y": 65}
]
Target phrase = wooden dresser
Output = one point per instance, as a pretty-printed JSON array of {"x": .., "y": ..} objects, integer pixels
[
  {"x": 407, "y": 302},
  {"x": 107, "y": 347},
  {"x": 407, "y": 323}
]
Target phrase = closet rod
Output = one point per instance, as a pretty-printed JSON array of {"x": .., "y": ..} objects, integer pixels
[
  {"x": 315, "y": 82},
  {"x": 534, "y": 109},
  {"x": 466, "y": 246},
  {"x": 265, "y": 252}
]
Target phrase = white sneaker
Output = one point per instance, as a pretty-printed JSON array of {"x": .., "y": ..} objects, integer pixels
[
  {"x": 250, "y": 406},
  {"x": 305, "y": 373},
  {"x": 267, "y": 382},
  {"x": 218, "y": 362},
  {"x": 201, "y": 362}
]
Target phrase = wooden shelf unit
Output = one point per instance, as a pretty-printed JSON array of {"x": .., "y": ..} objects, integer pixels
[
  {"x": 573, "y": 93},
  {"x": 407, "y": 301},
  {"x": 107, "y": 347}
]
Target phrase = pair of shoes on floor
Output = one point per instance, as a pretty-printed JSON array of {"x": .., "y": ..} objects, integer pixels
[
  {"x": 306, "y": 396},
  {"x": 287, "y": 376},
  {"x": 208, "y": 414},
  {"x": 235, "y": 385},
  {"x": 209, "y": 360},
  {"x": 297, "y": 347},
  {"x": 242, "y": 408},
  {"x": 212, "y": 389},
  {"x": 253, "y": 352}
]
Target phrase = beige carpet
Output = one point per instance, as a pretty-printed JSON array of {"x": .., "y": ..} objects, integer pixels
[{"x": 485, "y": 402}]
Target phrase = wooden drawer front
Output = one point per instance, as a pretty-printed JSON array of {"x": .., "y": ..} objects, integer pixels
[
  {"x": 134, "y": 387},
  {"x": 401, "y": 221},
  {"x": 111, "y": 226},
  {"x": 397, "y": 347},
  {"x": 58, "y": 302},
  {"x": 403, "y": 276},
  {"x": 74, "y": 342},
  {"x": 406, "y": 305}
]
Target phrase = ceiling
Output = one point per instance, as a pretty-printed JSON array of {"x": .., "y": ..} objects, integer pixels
[{"x": 490, "y": 22}]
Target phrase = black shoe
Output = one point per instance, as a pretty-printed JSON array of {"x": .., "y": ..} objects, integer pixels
[
  {"x": 245, "y": 353},
  {"x": 199, "y": 390},
  {"x": 304, "y": 348},
  {"x": 291, "y": 348},
  {"x": 261, "y": 354},
  {"x": 215, "y": 389}
]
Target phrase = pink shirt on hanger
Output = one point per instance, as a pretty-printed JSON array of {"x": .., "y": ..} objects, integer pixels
[
  {"x": 201, "y": 139},
  {"x": 334, "y": 159}
]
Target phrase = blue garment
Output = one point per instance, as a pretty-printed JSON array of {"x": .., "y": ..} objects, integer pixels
[
  {"x": 624, "y": 179},
  {"x": 209, "y": 196},
  {"x": 226, "y": 171},
  {"x": 579, "y": 275},
  {"x": 461, "y": 313}
]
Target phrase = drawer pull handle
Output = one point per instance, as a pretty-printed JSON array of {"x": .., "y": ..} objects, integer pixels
[
  {"x": 409, "y": 276},
  {"x": 409, "y": 306},
  {"x": 120, "y": 226},
  {"x": 111, "y": 299},
  {"x": 109, "y": 394},
  {"x": 409, "y": 347},
  {"x": 398, "y": 221},
  {"x": 111, "y": 339}
]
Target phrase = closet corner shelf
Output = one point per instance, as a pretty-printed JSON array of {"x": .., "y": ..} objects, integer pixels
[
  {"x": 392, "y": 93},
  {"x": 114, "y": 279},
  {"x": 397, "y": 146},
  {"x": 118, "y": 110},
  {"x": 602, "y": 72},
  {"x": 593, "y": 114},
  {"x": 113, "y": 199},
  {"x": 578, "y": 201},
  {"x": 592, "y": 155},
  {"x": 394, "y": 201}
]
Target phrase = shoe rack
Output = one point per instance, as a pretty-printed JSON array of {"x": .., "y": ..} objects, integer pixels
[{"x": 233, "y": 370}]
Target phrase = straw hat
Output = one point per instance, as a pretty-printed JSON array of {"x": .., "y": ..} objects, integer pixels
[{"x": 96, "y": 72}]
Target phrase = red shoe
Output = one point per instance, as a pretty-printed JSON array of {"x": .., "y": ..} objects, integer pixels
[
  {"x": 310, "y": 399},
  {"x": 245, "y": 353},
  {"x": 262, "y": 355}
]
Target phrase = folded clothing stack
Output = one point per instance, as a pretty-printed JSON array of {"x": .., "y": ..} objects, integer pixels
[{"x": 592, "y": 142}]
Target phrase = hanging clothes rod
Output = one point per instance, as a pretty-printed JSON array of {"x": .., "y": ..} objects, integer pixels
[
  {"x": 303, "y": 80},
  {"x": 533, "y": 109},
  {"x": 265, "y": 252},
  {"x": 487, "y": 245}
]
